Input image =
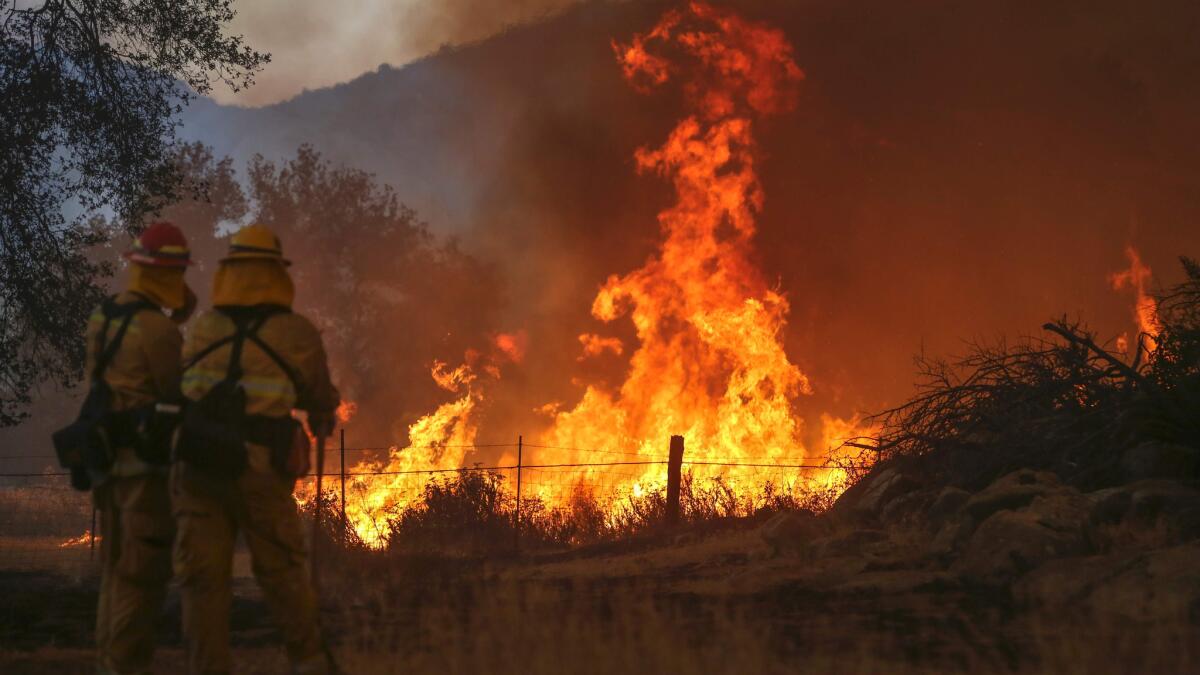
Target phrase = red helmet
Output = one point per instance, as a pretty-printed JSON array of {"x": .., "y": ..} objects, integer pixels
[{"x": 161, "y": 245}]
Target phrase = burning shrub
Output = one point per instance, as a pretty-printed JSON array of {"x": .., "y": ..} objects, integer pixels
[
  {"x": 1174, "y": 369},
  {"x": 1063, "y": 403},
  {"x": 582, "y": 520},
  {"x": 330, "y": 532},
  {"x": 472, "y": 513},
  {"x": 468, "y": 512}
]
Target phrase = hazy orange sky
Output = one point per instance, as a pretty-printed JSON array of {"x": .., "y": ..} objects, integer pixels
[{"x": 316, "y": 43}]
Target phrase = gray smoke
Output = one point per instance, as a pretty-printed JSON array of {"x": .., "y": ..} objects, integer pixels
[{"x": 316, "y": 43}]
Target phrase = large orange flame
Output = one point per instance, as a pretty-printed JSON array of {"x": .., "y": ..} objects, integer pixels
[{"x": 709, "y": 363}]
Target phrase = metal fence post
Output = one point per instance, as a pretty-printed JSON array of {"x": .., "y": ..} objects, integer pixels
[
  {"x": 314, "y": 555},
  {"x": 674, "y": 478},
  {"x": 342, "y": 464},
  {"x": 517, "y": 515}
]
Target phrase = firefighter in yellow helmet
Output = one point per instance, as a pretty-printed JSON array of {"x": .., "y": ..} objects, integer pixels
[
  {"x": 247, "y": 365},
  {"x": 134, "y": 356}
]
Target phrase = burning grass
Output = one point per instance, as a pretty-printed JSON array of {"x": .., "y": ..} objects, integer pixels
[{"x": 472, "y": 513}]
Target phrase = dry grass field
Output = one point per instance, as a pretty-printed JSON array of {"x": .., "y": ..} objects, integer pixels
[
  {"x": 709, "y": 597},
  {"x": 716, "y": 602}
]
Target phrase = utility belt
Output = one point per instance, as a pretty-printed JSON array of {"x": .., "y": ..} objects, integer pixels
[
  {"x": 147, "y": 429},
  {"x": 218, "y": 447}
]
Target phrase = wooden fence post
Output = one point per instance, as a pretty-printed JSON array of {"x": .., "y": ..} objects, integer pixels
[{"x": 674, "y": 477}]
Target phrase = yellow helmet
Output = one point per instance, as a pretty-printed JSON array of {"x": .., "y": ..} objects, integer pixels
[{"x": 256, "y": 242}]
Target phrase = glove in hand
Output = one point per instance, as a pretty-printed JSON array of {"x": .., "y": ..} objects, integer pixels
[{"x": 321, "y": 425}]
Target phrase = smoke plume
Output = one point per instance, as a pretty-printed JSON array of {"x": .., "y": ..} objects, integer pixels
[{"x": 314, "y": 43}]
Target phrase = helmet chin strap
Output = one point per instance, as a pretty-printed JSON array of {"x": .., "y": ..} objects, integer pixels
[{"x": 182, "y": 314}]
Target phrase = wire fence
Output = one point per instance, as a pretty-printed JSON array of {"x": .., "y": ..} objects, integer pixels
[{"x": 45, "y": 524}]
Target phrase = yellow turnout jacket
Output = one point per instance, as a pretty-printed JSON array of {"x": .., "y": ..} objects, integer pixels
[
  {"x": 269, "y": 390},
  {"x": 144, "y": 370}
]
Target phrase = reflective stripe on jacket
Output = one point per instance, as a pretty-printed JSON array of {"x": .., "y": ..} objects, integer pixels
[
  {"x": 144, "y": 370},
  {"x": 269, "y": 391}
]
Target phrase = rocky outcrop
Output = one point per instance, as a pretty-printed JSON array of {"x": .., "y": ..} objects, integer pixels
[
  {"x": 1153, "y": 459},
  {"x": 1153, "y": 511},
  {"x": 892, "y": 495},
  {"x": 947, "y": 505},
  {"x": 852, "y": 543},
  {"x": 1011, "y": 525},
  {"x": 1013, "y": 491},
  {"x": 880, "y": 490},
  {"x": 1027, "y": 533},
  {"x": 1152, "y": 586},
  {"x": 951, "y": 537},
  {"x": 1009, "y": 543},
  {"x": 790, "y": 532}
]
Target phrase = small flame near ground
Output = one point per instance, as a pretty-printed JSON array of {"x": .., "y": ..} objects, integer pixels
[
  {"x": 709, "y": 363},
  {"x": 82, "y": 540}
]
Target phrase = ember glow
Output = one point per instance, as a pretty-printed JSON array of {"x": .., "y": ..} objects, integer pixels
[
  {"x": 512, "y": 345},
  {"x": 346, "y": 411},
  {"x": 709, "y": 362}
]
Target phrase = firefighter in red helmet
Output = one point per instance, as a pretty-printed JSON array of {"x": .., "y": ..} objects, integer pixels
[{"x": 133, "y": 354}]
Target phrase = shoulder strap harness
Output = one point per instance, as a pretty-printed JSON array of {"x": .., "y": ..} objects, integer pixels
[
  {"x": 106, "y": 349},
  {"x": 246, "y": 326}
]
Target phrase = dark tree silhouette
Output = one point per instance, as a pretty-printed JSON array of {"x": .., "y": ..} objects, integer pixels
[
  {"x": 210, "y": 197},
  {"x": 389, "y": 295},
  {"x": 88, "y": 96}
]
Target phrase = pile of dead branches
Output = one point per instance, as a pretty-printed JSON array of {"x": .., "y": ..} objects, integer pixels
[{"x": 1061, "y": 401}]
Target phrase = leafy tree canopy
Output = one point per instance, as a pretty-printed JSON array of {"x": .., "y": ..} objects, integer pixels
[{"x": 89, "y": 90}]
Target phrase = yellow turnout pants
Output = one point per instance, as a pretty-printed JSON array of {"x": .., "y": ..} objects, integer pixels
[
  {"x": 135, "y": 549},
  {"x": 209, "y": 512}
]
